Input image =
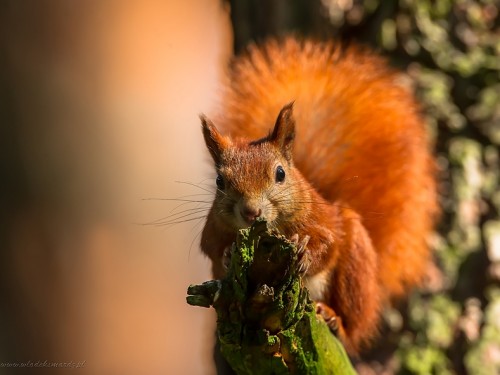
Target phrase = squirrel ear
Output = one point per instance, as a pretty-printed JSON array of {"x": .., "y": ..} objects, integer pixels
[
  {"x": 284, "y": 131},
  {"x": 213, "y": 139}
]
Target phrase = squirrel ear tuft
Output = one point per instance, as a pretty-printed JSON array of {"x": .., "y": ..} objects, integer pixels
[
  {"x": 284, "y": 131},
  {"x": 213, "y": 139}
]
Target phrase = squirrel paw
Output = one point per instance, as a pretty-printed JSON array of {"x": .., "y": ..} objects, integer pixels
[
  {"x": 303, "y": 255},
  {"x": 226, "y": 256},
  {"x": 331, "y": 319}
]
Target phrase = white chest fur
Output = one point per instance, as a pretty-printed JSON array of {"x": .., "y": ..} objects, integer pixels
[{"x": 318, "y": 285}]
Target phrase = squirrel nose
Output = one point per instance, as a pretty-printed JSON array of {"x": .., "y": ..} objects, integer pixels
[{"x": 250, "y": 214}]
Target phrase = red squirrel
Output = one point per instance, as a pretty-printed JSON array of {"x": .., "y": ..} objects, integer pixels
[{"x": 346, "y": 166}]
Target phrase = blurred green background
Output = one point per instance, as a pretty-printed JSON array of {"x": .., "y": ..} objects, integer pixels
[{"x": 450, "y": 52}]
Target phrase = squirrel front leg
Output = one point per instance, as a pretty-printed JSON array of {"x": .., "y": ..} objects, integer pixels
[
  {"x": 216, "y": 244},
  {"x": 354, "y": 294}
]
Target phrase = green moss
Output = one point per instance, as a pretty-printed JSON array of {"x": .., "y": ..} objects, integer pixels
[{"x": 266, "y": 323}]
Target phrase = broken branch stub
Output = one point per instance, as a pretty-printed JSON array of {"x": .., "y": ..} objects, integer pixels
[{"x": 266, "y": 323}]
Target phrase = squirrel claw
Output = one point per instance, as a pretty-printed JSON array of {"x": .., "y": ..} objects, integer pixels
[
  {"x": 304, "y": 259},
  {"x": 226, "y": 256},
  {"x": 329, "y": 316},
  {"x": 301, "y": 247}
]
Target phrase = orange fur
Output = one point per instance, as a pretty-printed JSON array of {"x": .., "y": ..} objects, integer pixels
[{"x": 360, "y": 146}]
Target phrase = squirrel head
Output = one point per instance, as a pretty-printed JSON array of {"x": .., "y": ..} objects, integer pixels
[{"x": 255, "y": 179}]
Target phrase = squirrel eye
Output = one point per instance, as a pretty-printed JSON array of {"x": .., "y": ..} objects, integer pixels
[
  {"x": 219, "y": 182},
  {"x": 280, "y": 174}
]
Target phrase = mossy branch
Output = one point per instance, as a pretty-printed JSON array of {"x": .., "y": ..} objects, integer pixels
[{"x": 266, "y": 323}]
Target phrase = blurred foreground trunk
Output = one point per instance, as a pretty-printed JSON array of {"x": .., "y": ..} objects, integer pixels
[{"x": 97, "y": 102}]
